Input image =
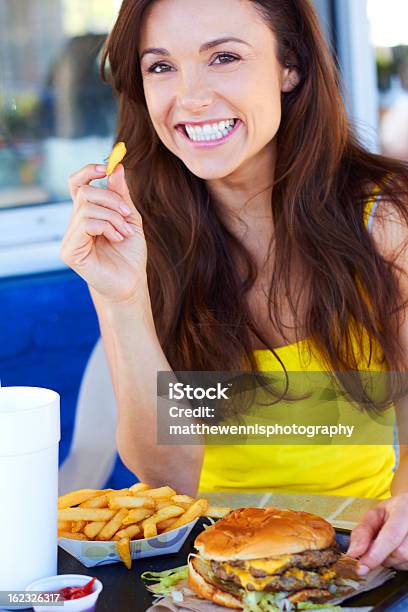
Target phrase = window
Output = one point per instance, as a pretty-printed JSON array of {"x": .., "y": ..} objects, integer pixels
[
  {"x": 55, "y": 112},
  {"x": 389, "y": 36}
]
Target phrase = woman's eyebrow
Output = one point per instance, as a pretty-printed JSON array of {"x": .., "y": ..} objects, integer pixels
[{"x": 204, "y": 46}]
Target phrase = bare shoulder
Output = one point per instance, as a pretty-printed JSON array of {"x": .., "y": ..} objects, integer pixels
[{"x": 389, "y": 228}]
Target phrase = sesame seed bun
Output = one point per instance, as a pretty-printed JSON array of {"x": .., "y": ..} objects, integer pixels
[{"x": 257, "y": 533}]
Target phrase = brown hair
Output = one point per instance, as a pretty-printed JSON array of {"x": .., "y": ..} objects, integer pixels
[{"x": 322, "y": 180}]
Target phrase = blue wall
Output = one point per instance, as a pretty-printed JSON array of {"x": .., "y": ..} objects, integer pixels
[{"x": 48, "y": 328}]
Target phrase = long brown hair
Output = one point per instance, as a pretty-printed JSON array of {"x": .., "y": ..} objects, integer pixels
[{"x": 322, "y": 180}]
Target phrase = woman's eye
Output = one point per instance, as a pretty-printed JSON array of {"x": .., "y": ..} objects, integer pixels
[
  {"x": 156, "y": 65},
  {"x": 230, "y": 58}
]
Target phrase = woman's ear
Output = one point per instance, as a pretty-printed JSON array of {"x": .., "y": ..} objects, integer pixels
[{"x": 290, "y": 79}]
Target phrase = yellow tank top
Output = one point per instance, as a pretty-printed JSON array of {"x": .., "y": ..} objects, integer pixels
[{"x": 345, "y": 470}]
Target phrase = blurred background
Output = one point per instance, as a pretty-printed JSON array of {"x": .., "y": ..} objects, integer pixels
[{"x": 55, "y": 116}]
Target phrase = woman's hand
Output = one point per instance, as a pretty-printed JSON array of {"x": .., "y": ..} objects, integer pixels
[
  {"x": 104, "y": 242},
  {"x": 381, "y": 537}
]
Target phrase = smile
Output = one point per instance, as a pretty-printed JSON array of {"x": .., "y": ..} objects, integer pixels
[{"x": 209, "y": 134}]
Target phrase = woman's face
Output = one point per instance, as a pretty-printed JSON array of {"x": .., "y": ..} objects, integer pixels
[{"x": 215, "y": 106}]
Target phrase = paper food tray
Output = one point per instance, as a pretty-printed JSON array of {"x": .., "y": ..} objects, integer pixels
[{"x": 91, "y": 552}]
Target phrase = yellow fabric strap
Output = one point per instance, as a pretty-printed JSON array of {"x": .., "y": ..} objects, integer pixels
[{"x": 373, "y": 200}]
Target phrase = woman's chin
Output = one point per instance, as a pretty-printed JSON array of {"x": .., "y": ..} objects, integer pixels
[{"x": 211, "y": 172}]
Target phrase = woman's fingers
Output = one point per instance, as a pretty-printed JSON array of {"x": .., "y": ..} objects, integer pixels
[
  {"x": 90, "y": 222},
  {"x": 94, "y": 211},
  {"x": 97, "y": 227},
  {"x": 84, "y": 176},
  {"x": 117, "y": 184},
  {"x": 363, "y": 535},
  {"x": 389, "y": 539},
  {"x": 398, "y": 559},
  {"x": 103, "y": 197},
  {"x": 403, "y": 566}
]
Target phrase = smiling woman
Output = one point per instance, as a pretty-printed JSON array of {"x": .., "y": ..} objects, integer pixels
[
  {"x": 246, "y": 234},
  {"x": 197, "y": 84}
]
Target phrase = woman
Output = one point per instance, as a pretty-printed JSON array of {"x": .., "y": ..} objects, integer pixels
[{"x": 264, "y": 243}]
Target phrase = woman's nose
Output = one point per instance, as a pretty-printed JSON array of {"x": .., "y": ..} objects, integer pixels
[{"x": 194, "y": 92}]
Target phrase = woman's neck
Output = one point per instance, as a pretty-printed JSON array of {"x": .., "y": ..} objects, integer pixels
[{"x": 244, "y": 199}]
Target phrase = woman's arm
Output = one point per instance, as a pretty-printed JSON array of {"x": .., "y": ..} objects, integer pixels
[
  {"x": 135, "y": 356},
  {"x": 400, "y": 480},
  {"x": 105, "y": 244},
  {"x": 381, "y": 537}
]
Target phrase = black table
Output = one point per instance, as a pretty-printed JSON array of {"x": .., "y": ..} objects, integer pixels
[{"x": 123, "y": 590}]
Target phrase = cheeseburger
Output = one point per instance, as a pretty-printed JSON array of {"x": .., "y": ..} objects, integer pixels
[{"x": 266, "y": 555}]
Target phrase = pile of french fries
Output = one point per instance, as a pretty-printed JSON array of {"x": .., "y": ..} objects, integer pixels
[{"x": 128, "y": 514}]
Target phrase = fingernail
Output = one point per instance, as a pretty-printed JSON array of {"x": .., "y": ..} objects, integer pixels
[
  {"x": 119, "y": 236},
  {"x": 100, "y": 168},
  {"x": 129, "y": 229},
  {"x": 124, "y": 209},
  {"x": 362, "y": 570}
]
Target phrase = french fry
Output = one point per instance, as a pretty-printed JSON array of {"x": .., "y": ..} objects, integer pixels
[
  {"x": 92, "y": 529},
  {"x": 76, "y": 497},
  {"x": 128, "y": 514},
  {"x": 149, "y": 530},
  {"x": 116, "y": 156},
  {"x": 77, "y": 526},
  {"x": 160, "y": 492},
  {"x": 129, "y": 532},
  {"x": 123, "y": 548},
  {"x": 130, "y": 501},
  {"x": 217, "y": 511},
  {"x": 97, "y": 502},
  {"x": 139, "y": 487},
  {"x": 85, "y": 514},
  {"x": 162, "y": 525},
  {"x": 109, "y": 530},
  {"x": 121, "y": 492},
  {"x": 182, "y": 504},
  {"x": 64, "y": 525},
  {"x": 163, "y": 503},
  {"x": 72, "y": 536},
  {"x": 198, "y": 508},
  {"x": 137, "y": 515},
  {"x": 182, "y": 499},
  {"x": 161, "y": 515}
]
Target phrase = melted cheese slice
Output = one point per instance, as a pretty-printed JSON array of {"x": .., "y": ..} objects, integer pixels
[
  {"x": 270, "y": 566},
  {"x": 247, "y": 578}
]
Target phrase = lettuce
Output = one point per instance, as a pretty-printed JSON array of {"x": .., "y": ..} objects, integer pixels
[
  {"x": 266, "y": 602},
  {"x": 272, "y": 602},
  {"x": 165, "y": 581},
  {"x": 348, "y": 582}
]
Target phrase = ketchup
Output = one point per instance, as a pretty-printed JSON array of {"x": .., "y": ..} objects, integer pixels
[{"x": 77, "y": 592}]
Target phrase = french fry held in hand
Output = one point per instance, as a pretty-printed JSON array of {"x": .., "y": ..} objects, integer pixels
[
  {"x": 128, "y": 514},
  {"x": 116, "y": 156}
]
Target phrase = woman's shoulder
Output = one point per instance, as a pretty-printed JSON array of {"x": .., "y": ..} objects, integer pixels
[{"x": 387, "y": 210}]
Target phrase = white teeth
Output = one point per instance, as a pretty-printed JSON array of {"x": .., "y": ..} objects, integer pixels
[{"x": 208, "y": 131}]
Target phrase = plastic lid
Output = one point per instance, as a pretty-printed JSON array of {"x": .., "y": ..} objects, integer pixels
[{"x": 29, "y": 420}]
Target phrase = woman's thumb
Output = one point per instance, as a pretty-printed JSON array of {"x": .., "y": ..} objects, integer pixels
[{"x": 117, "y": 183}]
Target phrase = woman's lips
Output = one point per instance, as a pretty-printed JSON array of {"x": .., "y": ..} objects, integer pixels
[{"x": 204, "y": 144}]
